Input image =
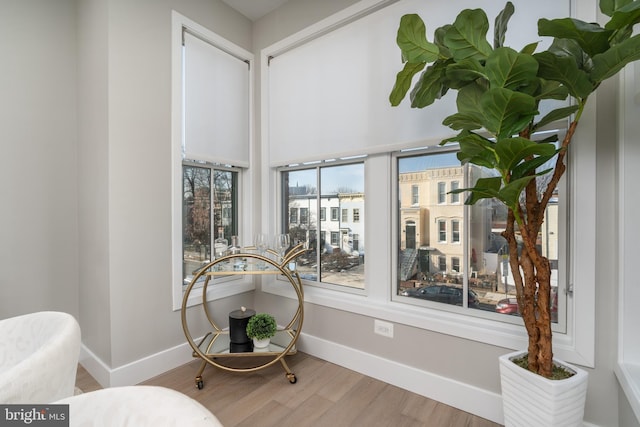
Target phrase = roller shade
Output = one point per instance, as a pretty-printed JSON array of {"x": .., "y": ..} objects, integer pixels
[
  {"x": 216, "y": 104},
  {"x": 328, "y": 95}
]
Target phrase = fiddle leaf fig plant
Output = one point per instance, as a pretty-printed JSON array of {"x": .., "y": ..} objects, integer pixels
[{"x": 499, "y": 94}]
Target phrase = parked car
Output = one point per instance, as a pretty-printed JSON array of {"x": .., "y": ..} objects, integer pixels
[
  {"x": 507, "y": 306},
  {"x": 443, "y": 293}
]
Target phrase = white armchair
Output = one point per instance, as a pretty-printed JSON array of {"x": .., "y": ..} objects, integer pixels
[
  {"x": 38, "y": 357},
  {"x": 137, "y": 406}
]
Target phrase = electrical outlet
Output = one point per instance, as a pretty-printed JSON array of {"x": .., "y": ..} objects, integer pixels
[{"x": 383, "y": 328}]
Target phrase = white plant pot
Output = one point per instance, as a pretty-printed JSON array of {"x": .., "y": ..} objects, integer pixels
[
  {"x": 261, "y": 344},
  {"x": 529, "y": 399}
]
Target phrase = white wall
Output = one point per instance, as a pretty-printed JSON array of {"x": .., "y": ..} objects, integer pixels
[
  {"x": 112, "y": 165},
  {"x": 38, "y": 174}
]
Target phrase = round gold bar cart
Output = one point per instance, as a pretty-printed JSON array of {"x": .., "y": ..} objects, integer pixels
[{"x": 215, "y": 347}]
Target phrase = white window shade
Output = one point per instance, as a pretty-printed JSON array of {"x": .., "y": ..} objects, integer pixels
[
  {"x": 216, "y": 104},
  {"x": 329, "y": 92}
]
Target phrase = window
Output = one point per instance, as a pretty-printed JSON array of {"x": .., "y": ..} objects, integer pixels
[
  {"x": 414, "y": 195},
  {"x": 324, "y": 139},
  {"x": 334, "y": 214},
  {"x": 335, "y": 238},
  {"x": 323, "y": 214},
  {"x": 442, "y": 231},
  {"x": 455, "y": 264},
  {"x": 293, "y": 215},
  {"x": 442, "y": 196},
  {"x": 210, "y": 211},
  {"x": 475, "y": 239},
  {"x": 455, "y": 231},
  {"x": 211, "y": 116},
  {"x": 455, "y": 197},
  {"x": 338, "y": 260},
  {"x": 442, "y": 263}
]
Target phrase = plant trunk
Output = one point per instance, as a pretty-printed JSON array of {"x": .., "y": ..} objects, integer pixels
[{"x": 532, "y": 276}]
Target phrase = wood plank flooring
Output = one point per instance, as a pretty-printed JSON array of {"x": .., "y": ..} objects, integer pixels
[{"x": 324, "y": 395}]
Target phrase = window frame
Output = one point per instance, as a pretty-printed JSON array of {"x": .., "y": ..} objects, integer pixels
[
  {"x": 227, "y": 287},
  {"x": 576, "y": 346}
]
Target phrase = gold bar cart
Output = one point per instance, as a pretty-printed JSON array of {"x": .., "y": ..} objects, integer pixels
[{"x": 214, "y": 347}]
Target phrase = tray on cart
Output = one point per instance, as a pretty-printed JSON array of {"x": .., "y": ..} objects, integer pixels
[{"x": 217, "y": 344}]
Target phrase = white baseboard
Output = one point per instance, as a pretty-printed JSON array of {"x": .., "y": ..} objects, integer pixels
[
  {"x": 136, "y": 371},
  {"x": 463, "y": 396},
  {"x": 454, "y": 393}
]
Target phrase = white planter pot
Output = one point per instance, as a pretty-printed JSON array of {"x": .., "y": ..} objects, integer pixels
[
  {"x": 261, "y": 344},
  {"x": 529, "y": 399}
]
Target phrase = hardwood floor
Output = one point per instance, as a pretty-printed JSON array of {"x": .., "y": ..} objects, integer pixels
[{"x": 324, "y": 395}]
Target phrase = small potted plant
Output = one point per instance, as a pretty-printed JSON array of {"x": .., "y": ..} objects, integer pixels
[{"x": 261, "y": 328}]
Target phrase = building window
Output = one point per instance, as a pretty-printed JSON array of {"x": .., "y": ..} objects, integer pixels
[
  {"x": 323, "y": 214},
  {"x": 293, "y": 215},
  {"x": 356, "y": 215},
  {"x": 415, "y": 200},
  {"x": 455, "y": 197},
  {"x": 455, "y": 231},
  {"x": 455, "y": 264},
  {"x": 442, "y": 231},
  {"x": 442, "y": 196},
  {"x": 356, "y": 242},
  {"x": 335, "y": 238},
  {"x": 336, "y": 261},
  {"x": 442, "y": 263}
]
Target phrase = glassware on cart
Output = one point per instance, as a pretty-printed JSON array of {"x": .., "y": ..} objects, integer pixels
[
  {"x": 261, "y": 242},
  {"x": 281, "y": 244}
]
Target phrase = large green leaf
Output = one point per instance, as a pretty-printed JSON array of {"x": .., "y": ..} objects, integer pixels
[
  {"x": 412, "y": 40},
  {"x": 529, "y": 167},
  {"x": 438, "y": 39},
  {"x": 550, "y": 89},
  {"x": 507, "y": 112},
  {"x": 592, "y": 38},
  {"x": 509, "y": 69},
  {"x": 571, "y": 48},
  {"x": 403, "y": 81},
  {"x": 609, "y": 63},
  {"x": 429, "y": 87},
  {"x": 609, "y": 6},
  {"x": 624, "y": 17},
  {"x": 467, "y": 37},
  {"x": 500, "y": 25},
  {"x": 557, "y": 114},
  {"x": 564, "y": 70},
  {"x": 510, "y": 193},
  {"x": 469, "y": 114},
  {"x": 459, "y": 74},
  {"x": 512, "y": 151},
  {"x": 476, "y": 149},
  {"x": 485, "y": 188}
]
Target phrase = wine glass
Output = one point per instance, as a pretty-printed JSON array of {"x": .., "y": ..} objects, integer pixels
[
  {"x": 281, "y": 244},
  {"x": 261, "y": 243}
]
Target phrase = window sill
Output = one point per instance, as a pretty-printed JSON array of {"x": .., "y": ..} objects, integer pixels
[
  {"x": 216, "y": 292},
  {"x": 628, "y": 375},
  {"x": 501, "y": 334}
]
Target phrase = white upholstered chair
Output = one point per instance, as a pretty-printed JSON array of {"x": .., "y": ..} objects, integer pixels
[
  {"x": 38, "y": 357},
  {"x": 137, "y": 406}
]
